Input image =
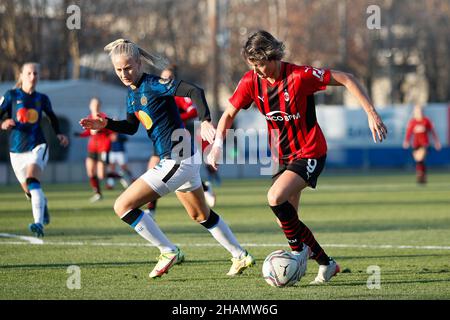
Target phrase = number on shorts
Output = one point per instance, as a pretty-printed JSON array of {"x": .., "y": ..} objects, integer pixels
[{"x": 311, "y": 166}]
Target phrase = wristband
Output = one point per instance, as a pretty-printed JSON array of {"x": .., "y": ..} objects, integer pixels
[{"x": 218, "y": 142}]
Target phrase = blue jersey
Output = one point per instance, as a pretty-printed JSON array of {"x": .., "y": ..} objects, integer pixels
[
  {"x": 153, "y": 104},
  {"x": 119, "y": 144},
  {"x": 26, "y": 111}
]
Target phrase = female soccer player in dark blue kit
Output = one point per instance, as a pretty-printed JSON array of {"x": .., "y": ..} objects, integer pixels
[
  {"x": 150, "y": 101},
  {"x": 23, "y": 108}
]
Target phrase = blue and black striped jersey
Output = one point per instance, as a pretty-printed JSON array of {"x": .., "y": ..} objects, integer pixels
[{"x": 152, "y": 102}]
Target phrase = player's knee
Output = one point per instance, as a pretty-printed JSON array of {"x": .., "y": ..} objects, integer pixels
[
  {"x": 121, "y": 207},
  {"x": 275, "y": 197}
]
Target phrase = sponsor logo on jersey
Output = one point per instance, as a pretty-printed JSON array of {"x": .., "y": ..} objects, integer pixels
[
  {"x": 282, "y": 116},
  {"x": 286, "y": 96},
  {"x": 33, "y": 116},
  {"x": 261, "y": 98},
  {"x": 420, "y": 128},
  {"x": 145, "y": 119},
  {"x": 25, "y": 115},
  {"x": 144, "y": 100}
]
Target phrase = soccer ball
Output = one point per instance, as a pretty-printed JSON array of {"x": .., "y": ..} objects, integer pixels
[{"x": 282, "y": 269}]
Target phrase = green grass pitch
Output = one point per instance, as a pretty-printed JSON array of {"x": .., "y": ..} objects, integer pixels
[{"x": 381, "y": 220}]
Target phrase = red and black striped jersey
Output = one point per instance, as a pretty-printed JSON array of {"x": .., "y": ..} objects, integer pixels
[
  {"x": 288, "y": 106},
  {"x": 420, "y": 130}
]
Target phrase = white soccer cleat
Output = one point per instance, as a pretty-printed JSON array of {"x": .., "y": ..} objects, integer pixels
[
  {"x": 326, "y": 272},
  {"x": 96, "y": 197},
  {"x": 165, "y": 262},
  {"x": 302, "y": 258},
  {"x": 240, "y": 264}
]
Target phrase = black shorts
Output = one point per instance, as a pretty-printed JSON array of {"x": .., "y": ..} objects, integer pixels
[
  {"x": 99, "y": 156},
  {"x": 308, "y": 169}
]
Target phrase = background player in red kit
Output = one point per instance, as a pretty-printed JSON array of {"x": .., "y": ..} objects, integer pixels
[
  {"x": 283, "y": 93},
  {"x": 419, "y": 127},
  {"x": 99, "y": 146}
]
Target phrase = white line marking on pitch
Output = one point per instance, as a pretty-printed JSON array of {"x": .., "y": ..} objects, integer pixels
[{"x": 32, "y": 240}]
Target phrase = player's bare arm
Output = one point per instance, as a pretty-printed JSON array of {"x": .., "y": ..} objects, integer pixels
[
  {"x": 207, "y": 131},
  {"x": 224, "y": 124},
  {"x": 376, "y": 125},
  {"x": 93, "y": 124}
]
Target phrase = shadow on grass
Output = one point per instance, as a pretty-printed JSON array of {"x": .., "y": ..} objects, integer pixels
[
  {"x": 390, "y": 257},
  {"x": 383, "y": 282},
  {"x": 148, "y": 263},
  {"x": 267, "y": 227}
]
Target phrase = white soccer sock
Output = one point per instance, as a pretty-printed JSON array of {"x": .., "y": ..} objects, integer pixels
[
  {"x": 149, "y": 230},
  {"x": 38, "y": 205},
  {"x": 223, "y": 234}
]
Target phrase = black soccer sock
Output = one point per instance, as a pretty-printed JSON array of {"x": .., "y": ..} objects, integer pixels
[
  {"x": 298, "y": 233},
  {"x": 212, "y": 220},
  {"x": 132, "y": 217},
  {"x": 95, "y": 184}
]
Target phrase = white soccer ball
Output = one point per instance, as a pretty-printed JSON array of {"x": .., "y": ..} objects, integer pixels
[{"x": 282, "y": 269}]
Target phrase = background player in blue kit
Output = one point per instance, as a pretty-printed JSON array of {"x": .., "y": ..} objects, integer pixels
[
  {"x": 150, "y": 101},
  {"x": 23, "y": 108}
]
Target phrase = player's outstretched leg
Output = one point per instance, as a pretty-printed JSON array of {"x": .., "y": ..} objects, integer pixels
[
  {"x": 241, "y": 259},
  {"x": 195, "y": 204},
  {"x": 38, "y": 203},
  {"x": 146, "y": 227},
  {"x": 299, "y": 235}
]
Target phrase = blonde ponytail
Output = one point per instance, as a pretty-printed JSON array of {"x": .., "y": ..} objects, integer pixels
[
  {"x": 132, "y": 50},
  {"x": 18, "y": 84}
]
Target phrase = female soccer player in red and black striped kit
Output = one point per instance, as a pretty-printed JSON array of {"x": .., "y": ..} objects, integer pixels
[
  {"x": 98, "y": 148},
  {"x": 419, "y": 127},
  {"x": 283, "y": 93}
]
